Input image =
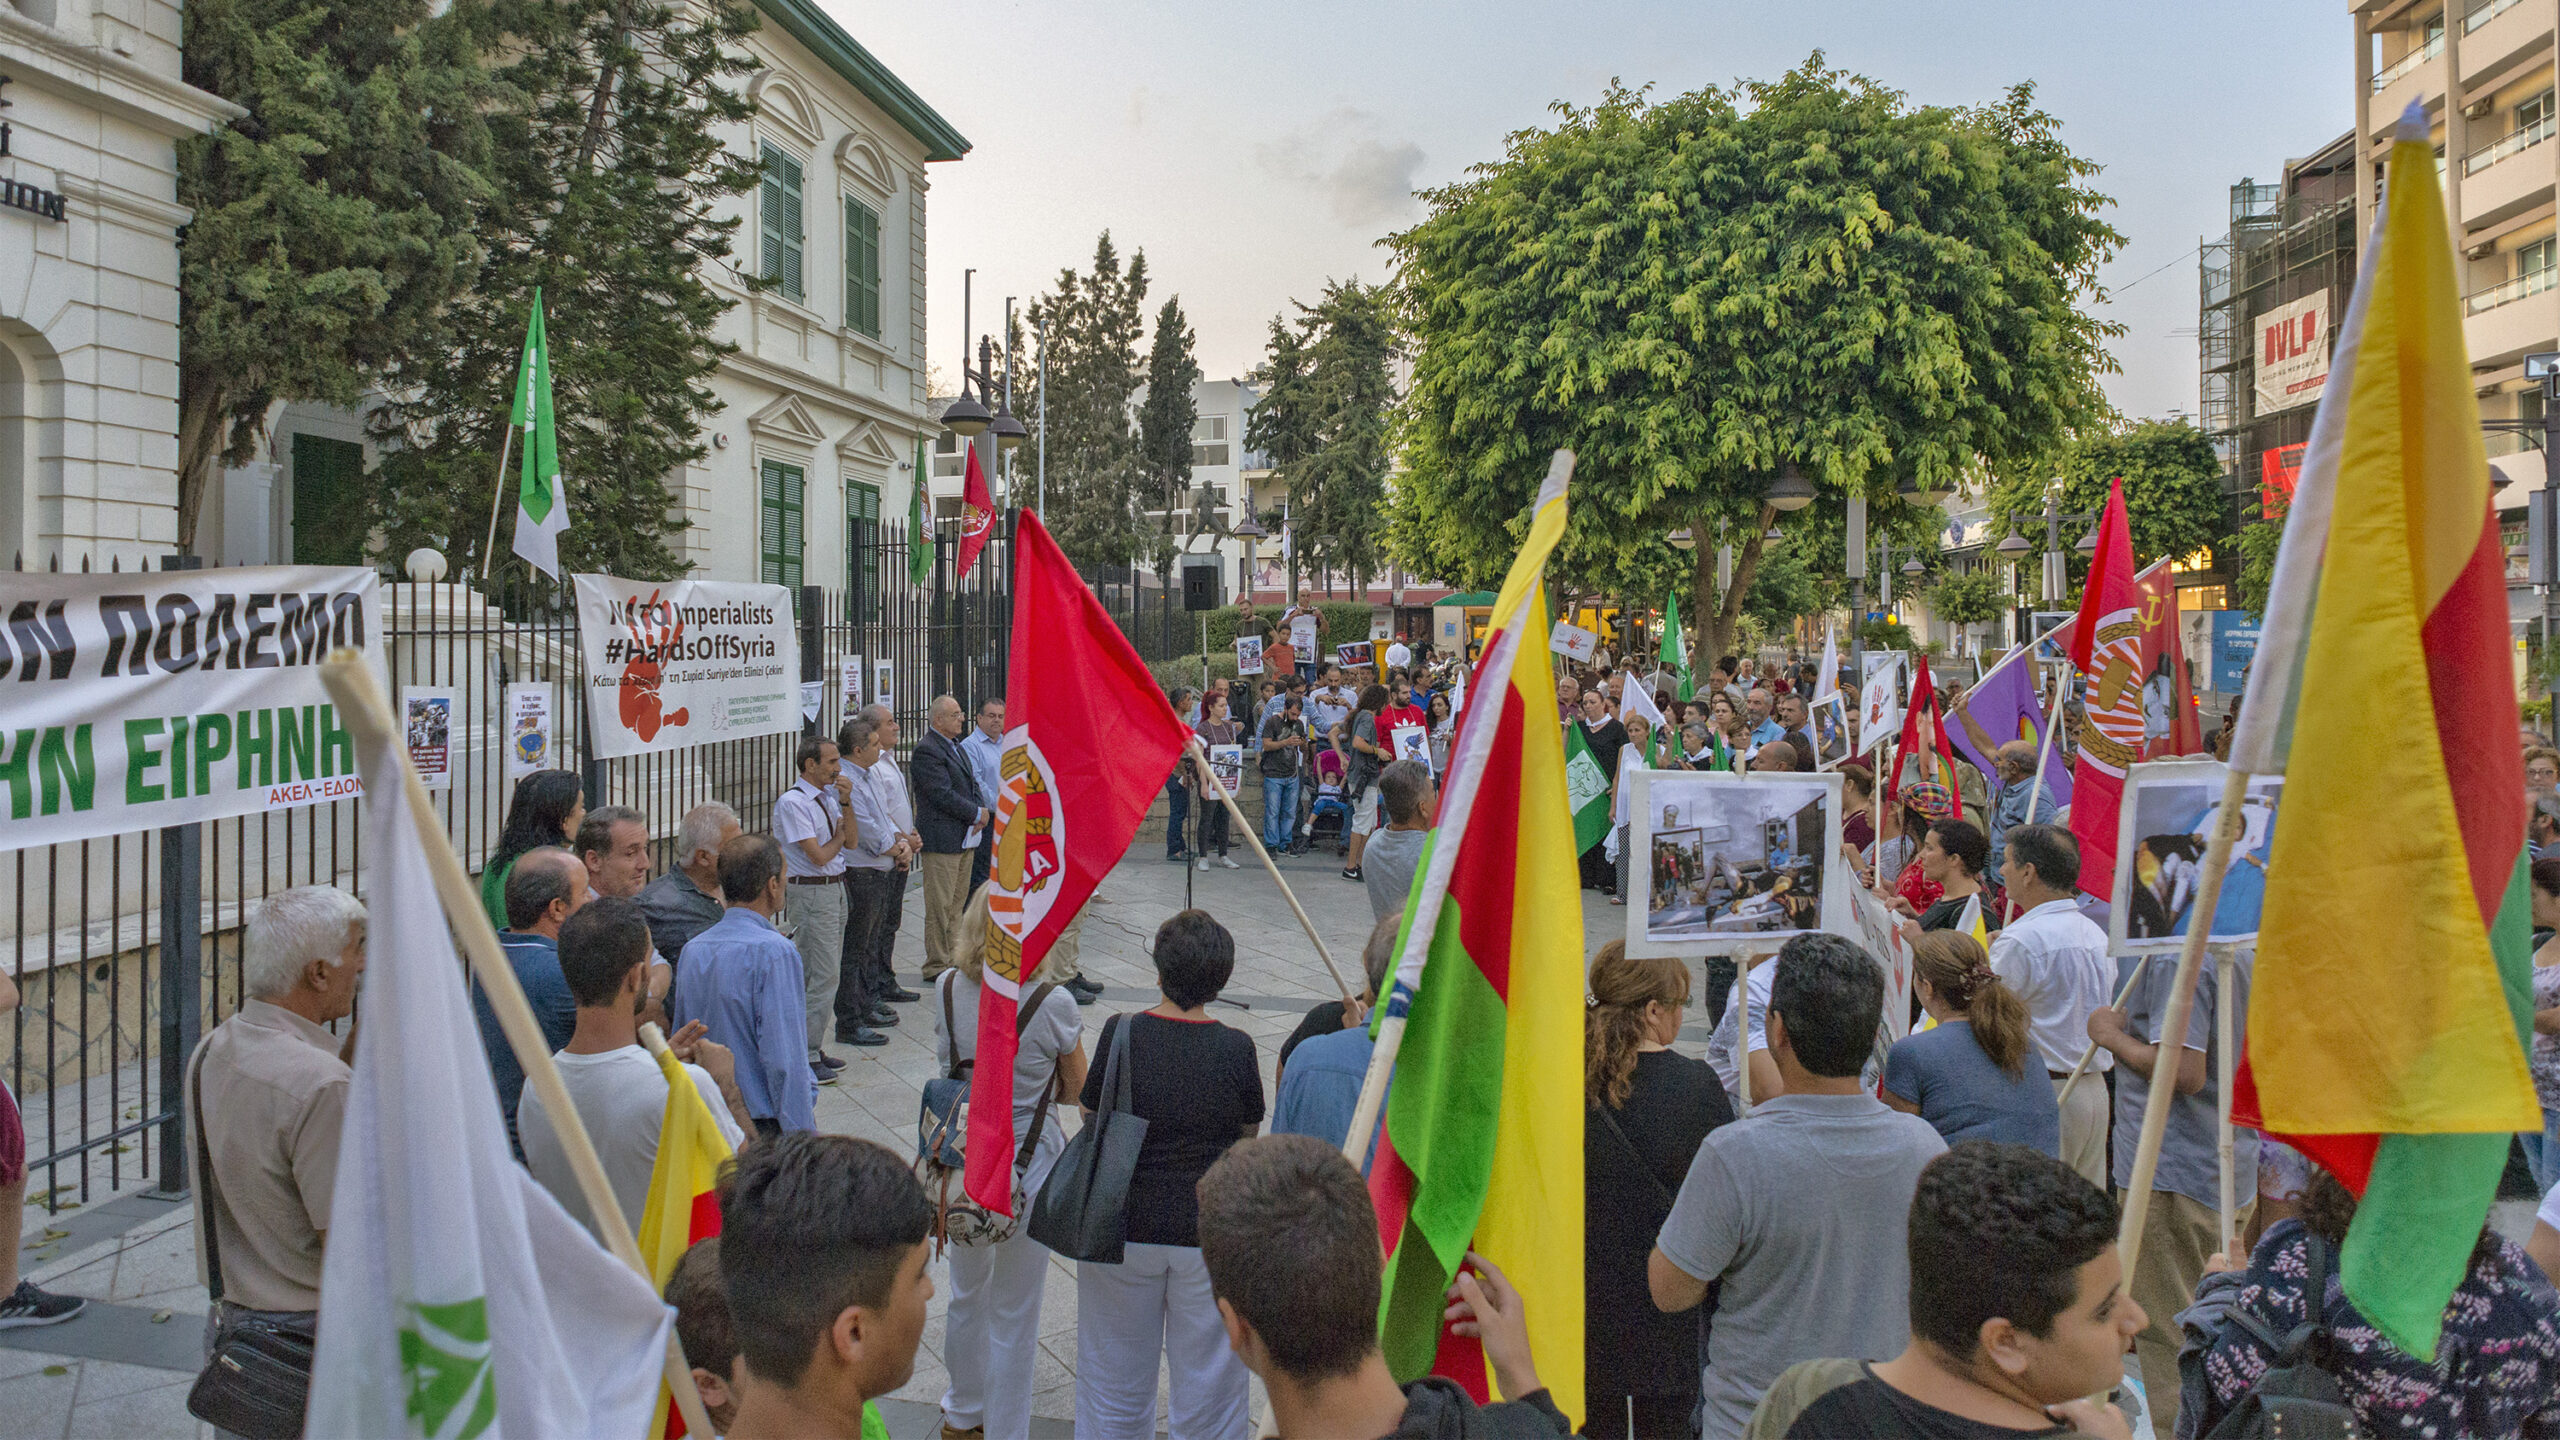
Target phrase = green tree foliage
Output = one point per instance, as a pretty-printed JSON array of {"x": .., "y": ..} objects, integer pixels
[
  {"x": 1165, "y": 422},
  {"x": 2173, "y": 497},
  {"x": 1093, "y": 323},
  {"x": 332, "y": 222},
  {"x": 1785, "y": 586},
  {"x": 1284, "y": 427},
  {"x": 2256, "y": 543},
  {"x": 1339, "y": 490},
  {"x": 1694, "y": 292},
  {"x": 1969, "y": 598},
  {"x": 609, "y": 171}
]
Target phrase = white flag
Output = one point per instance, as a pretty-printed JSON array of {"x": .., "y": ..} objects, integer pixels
[
  {"x": 1827, "y": 683},
  {"x": 458, "y": 1299}
]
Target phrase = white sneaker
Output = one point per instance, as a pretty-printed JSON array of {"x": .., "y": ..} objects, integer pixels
[
  {"x": 1230, "y": 864},
  {"x": 1204, "y": 862}
]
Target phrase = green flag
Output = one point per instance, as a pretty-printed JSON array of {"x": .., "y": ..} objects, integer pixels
[
  {"x": 1675, "y": 647},
  {"x": 1586, "y": 789},
  {"x": 542, "y": 502},
  {"x": 919, "y": 535}
]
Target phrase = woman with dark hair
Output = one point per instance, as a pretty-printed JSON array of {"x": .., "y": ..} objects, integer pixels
[
  {"x": 1650, "y": 1109},
  {"x": 1443, "y": 725},
  {"x": 2496, "y": 1371},
  {"x": 1214, "y": 729},
  {"x": 548, "y": 807},
  {"x": 1951, "y": 857},
  {"x": 1898, "y": 874},
  {"x": 1858, "y": 806},
  {"x": 1368, "y": 755},
  {"x": 1968, "y": 1075},
  {"x": 2545, "y": 1059},
  {"x": 1198, "y": 1085}
]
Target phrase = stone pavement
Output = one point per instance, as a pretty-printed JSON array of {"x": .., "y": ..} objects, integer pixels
[{"x": 123, "y": 1367}]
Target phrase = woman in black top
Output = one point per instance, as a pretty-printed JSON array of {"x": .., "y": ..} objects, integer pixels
[
  {"x": 1951, "y": 856},
  {"x": 1365, "y": 754},
  {"x": 1198, "y": 1085},
  {"x": 1650, "y": 1110}
]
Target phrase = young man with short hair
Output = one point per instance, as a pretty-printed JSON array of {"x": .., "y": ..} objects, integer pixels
[
  {"x": 1407, "y": 795},
  {"x": 1799, "y": 1207},
  {"x": 2018, "y": 1315},
  {"x": 1290, "y": 1242},
  {"x": 1284, "y": 751},
  {"x": 823, "y": 1253},
  {"x": 618, "y": 1090}
]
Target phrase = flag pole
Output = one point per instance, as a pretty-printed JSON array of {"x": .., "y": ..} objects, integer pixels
[
  {"x": 2225, "y": 968},
  {"x": 506, "y": 448},
  {"x": 2044, "y": 753},
  {"x": 1211, "y": 783},
  {"x": 361, "y": 707},
  {"x": 2123, "y": 993},
  {"x": 2173, "y": 1020}
]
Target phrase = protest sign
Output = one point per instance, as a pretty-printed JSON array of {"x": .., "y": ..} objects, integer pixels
[
  {"x": 1411, "y": 742},
  {"x": 528, "y": 728},
  {"x": 884, "y": 684},
  {"x": 427, "y": 712},
  {"x": 1248, "y": 654},
  {"x": 158, "y": 698},
  {"x": 1227, "y": 763},
  {"x": 1728, "y": 864},
  {"x": 849, "y": 685},
  {"x": 1302, "y": 635},
  {"x": 677, "y": 663},
  {"x": 1879, "y": 702},
  {"x": 1353, "y": 655},
  {"x": 1381, "y": 623},
  {"x": 1830, "y": 721},
  {"x": 2169, "y": 812},
  {"x": 1574, "y": 642}
]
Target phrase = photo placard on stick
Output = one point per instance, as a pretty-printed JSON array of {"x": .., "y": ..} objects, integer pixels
[
  {"x": 1227, "y": 763},
  {"x": 1248, "y": 654},
  {"x": 2168, "y": 816},
  {"x": 884, "y": 682},
  {"x": 428, "y": 713},
  {"x": 528, "y": 720},
  {"x": 1830, "y": 721},
  {"x": 1729, "y": 864},
  {"x": 849, "y": 685},
  {"x": 1411, "y": 742},
  {"x": 1355, "y": 654}
]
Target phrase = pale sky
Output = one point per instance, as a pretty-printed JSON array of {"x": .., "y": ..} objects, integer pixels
[{"x": 1254, "y": 152}]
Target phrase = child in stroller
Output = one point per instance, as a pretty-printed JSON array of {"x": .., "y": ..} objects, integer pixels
[{"x": 1330, "y": 804}]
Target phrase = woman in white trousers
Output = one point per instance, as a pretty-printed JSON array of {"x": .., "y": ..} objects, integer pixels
[
  {"x": 991, "y": 1331},
  {"x": 1198, "y": 1085}
]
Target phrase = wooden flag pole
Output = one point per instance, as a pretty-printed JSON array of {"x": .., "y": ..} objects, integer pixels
[
  {"x": 1211, "y": 783},
  {"x": 2173, "y": 1020},
  {"x": 497, "y": 501},
  {"x": 2226, "y": 966},
  {"x": 361, "y": 707},
  {"x": 2124, "y": 992},
  {"x": 2044, "y": 753}
]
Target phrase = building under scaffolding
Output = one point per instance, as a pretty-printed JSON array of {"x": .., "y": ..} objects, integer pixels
[{"x": 2289, "y": 242}]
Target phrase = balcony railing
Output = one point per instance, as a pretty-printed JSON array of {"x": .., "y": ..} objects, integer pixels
[
  {"x": 2485, "y": 14},
  {"x": 2384, "y": 78},
  {"x": 2522, "y": 138},
  {"x": 2532, "y": 282}
]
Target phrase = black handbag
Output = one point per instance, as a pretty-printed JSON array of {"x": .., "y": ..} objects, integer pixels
[
  {"x": 2297, "y": 1396},
  {"x": 1083, "y": 1210},
  {"x": 257, "y": 1381}
]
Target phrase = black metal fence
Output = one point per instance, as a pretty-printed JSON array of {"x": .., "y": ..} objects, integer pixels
[{"x": 125, "y": 949}]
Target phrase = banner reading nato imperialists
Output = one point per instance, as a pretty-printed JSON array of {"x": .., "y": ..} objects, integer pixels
[
  {"x": 675, "y": 663},
  {"x": 156, "y": 698}
]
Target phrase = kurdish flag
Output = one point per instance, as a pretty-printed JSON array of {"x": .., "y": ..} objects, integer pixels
[
  {"x": 542, "y": 502},
  {"x": 684, "y": 1204},
  {"x": 1483, "y": 1025},
  {"x": 2392, "y": 992}
]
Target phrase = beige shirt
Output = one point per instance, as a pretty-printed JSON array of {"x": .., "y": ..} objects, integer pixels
[{"x": 274, "y": 1098}]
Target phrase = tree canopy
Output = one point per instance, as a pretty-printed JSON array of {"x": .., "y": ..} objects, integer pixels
[
  {"x": 1165, "y": 423},
  {"x": 1695, "y": 292},
  {"x": 2173, "y": 499},
  {"x": 1089, "y": 326}
]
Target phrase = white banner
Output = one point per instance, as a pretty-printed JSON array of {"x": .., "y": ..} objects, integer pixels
[
  {"x": 531, "y": 742},
  {"x": 155, "y": 698},
  {"x": 678, "y": 663},
  {"x": 2293, "y": 353}
]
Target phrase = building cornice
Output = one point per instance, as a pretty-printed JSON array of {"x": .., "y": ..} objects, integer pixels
[
  {"x": 840, "y": 52},
  {"x": 789, "y": 381},
  {"x": 42, "y": 57}
]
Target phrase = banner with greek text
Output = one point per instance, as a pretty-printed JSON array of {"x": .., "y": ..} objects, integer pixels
[
  {"x": 155, "y": 698},
  {"x": 677, "y": 663}
]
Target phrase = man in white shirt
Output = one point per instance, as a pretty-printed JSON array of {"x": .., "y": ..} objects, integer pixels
[
  {"x": 2056, "y": 961},
  {"x": 814, "y": 822},
  {"x": 900, "y": 804},
  {"x": 617, "y": 1087},
  {"x": 984, "y": 745},
  {"x": 872, "y": 876},
  {"x": 1329, "y": 705}
]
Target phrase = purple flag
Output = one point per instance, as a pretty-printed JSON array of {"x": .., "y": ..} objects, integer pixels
[{"x": 1996, "y": 711}]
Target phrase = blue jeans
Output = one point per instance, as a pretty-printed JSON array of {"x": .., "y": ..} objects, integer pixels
[
  {"x": 1177, "y": 839},
  {"x": 1279, "y": 810}
]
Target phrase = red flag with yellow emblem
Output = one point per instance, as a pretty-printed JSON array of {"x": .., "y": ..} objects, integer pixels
[{"x": 1089, "y": 738}]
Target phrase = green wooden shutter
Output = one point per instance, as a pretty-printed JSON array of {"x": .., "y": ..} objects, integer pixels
[
  {"x": 861, "y": 549},
  {"x": 778, "y": 221},
  {"x": 780, "y": 536},
  {"x": 861, "y": 268}
]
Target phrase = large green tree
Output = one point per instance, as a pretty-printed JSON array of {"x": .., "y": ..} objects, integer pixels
[
  {"x": 1165, "y": 421},
  {"x": 1284, "y": 425},
  {"x": 332, "y": 222},
  {"x": 2174, "y": 503},
  {"x": 610, "y": 175},
  {"x": 1090, "y": 327},
  {"x": 1338, "y": 489},
  {"x": 1696, "y": 292}
]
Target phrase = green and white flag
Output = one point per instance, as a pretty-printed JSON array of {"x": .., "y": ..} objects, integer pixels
[
  {"x": 542, "y": 501},
  {"x": 919, "y": 532},
  {"x": 1586, "y": 789},
  {"x": 1675, "y": 647},
  {"x": 457, "y": 1299}
]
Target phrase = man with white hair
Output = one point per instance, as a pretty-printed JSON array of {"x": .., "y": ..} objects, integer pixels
[
  {"x": 685, "y": 901},
  {"x": 269, "y": 1090}
]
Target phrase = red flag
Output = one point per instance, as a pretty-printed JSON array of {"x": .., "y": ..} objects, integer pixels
[
  {"x": 1087, "y": 742},
  {"x": 1924, "y": 732},
  {"x": 2107, "y": 646},
  {"x": 2170, "y": 725},
  {"x": 977, "y": 515}
]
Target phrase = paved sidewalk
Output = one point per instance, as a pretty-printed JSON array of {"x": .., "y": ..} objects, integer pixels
[{"x": 122, "y": 1369}]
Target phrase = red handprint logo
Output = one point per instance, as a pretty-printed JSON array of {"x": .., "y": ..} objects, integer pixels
[{"x": 654, "y": 632}]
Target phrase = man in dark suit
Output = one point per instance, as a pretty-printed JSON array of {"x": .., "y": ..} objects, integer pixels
[{"x": 954, "y": 820}]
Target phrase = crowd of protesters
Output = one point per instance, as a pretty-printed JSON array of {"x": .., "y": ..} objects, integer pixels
[{"x": 1914, "y": 1243}]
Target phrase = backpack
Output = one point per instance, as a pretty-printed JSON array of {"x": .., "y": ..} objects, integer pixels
[
  {"x": 2298, "y": 1398},
  {"x": 942, "y": 1133}
]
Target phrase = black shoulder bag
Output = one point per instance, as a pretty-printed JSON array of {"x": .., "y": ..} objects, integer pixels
[
  {"x": 257, "y": 1380},
  {"x": 1083, "y": 1210},
  {"x": 2297, "y": 1398}
]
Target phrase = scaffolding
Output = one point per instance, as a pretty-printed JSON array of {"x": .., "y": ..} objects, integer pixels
[{"x": 2286, "y": 241}]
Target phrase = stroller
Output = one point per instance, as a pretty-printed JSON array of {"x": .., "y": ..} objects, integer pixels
[{"x": 1330, "y": 803}]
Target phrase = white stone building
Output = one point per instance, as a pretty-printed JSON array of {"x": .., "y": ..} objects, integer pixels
[{"x": 94, "y": 109}]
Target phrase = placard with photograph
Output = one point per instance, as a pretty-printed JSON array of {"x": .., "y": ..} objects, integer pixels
[
  {"x": 1411, "y": 742},
  {"x": 1248, "y": 654},
  {"x": 884, "y": 682},
  {"x": 429, "y": 713},
  {"x": 1830, "y": 721},
  {"x": 1734, "y": 863},
  {"x": 1354, "y": 655},
  {"x": 849, "y": 686},
  {"x": 2051, "y": 640},
  {"x": 1302, "y": 635},
  {"x": 2168, "y": 816},
  {"x": 1227, "y": 763}
]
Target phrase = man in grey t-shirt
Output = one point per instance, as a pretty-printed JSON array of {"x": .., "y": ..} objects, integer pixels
[
  {"x": 1800, "y": 1209},
  {"x": 1387, "y": 866}
]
